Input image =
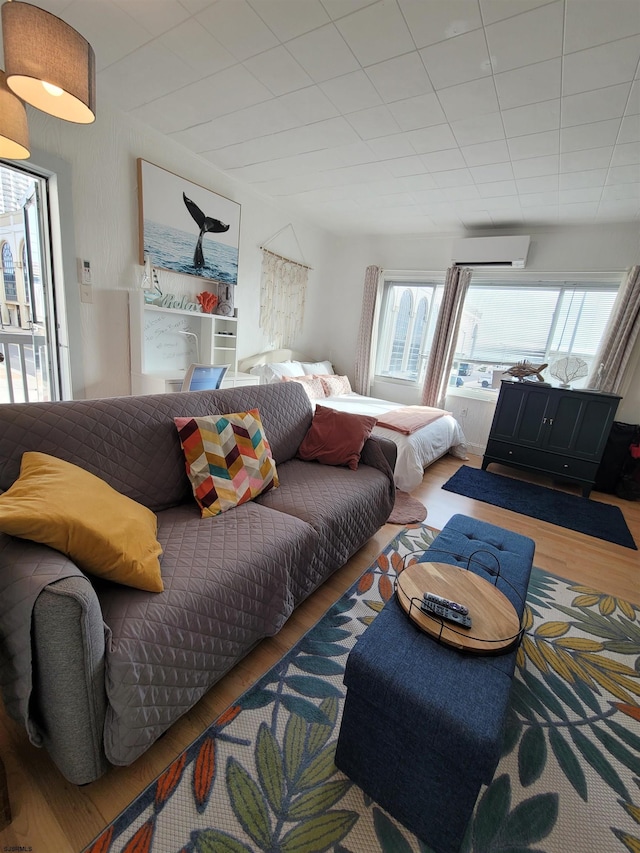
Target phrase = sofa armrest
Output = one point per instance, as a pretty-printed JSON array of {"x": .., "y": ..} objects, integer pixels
[
  {"x": 380, "y": 453},
  {"x": 52, "y": 642}
]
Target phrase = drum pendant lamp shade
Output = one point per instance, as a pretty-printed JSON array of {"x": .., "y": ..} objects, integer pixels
[
  {"x": 14, "y": 131},
  {"x": 47, "y": 63}
]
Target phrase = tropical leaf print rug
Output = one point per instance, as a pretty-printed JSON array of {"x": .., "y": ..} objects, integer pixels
[{"x": 262, "y": 777}]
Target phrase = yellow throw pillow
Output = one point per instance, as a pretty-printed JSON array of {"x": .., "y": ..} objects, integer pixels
[{"x": 104, "y": 532}]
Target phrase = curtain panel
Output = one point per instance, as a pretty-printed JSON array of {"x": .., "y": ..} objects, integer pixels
[
  {"x": 622, "y": 331},
  {"x": 362, "y": 369},
  {"x": 445, "y": 336}
]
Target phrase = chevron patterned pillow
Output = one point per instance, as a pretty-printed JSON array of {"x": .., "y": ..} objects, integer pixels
[{"x": 228, "y": 459}]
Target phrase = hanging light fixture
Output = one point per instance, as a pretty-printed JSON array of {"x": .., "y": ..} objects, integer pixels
[
  {"x": 47, "y": 63},
  {"x": 14, "y": 131}
]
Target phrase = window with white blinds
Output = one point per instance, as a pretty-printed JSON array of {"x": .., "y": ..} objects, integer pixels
[
  {"x": 505, "y": 320},
  {"x": 503, "y": 323}
]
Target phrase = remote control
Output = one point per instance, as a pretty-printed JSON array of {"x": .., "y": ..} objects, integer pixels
[
  {"x": 431, "y": 608},
  {"x": 446, "y": 602}
]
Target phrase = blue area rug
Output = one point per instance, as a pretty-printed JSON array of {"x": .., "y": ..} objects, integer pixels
[{"x": 575, "y": 513}]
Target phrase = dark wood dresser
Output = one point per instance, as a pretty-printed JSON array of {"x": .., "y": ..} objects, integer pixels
[{"x": 556, "y": 431}]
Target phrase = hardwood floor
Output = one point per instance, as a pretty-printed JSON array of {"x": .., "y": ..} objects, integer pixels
[{"x": 52, "y": 816}]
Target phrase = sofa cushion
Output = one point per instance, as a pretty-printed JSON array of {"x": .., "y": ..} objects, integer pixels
[
  {"x": 336, "y": 438},
  {"x": 56, "y": 503},
  {"x": 228, "y": 459}
]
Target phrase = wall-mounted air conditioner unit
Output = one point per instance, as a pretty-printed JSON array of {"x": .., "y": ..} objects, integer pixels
[{"x": 491, "y": 252}]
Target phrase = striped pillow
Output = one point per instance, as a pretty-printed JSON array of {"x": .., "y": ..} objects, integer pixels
[{"x": 228, "y": 459}]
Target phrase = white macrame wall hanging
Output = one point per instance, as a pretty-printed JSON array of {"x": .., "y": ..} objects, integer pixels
[{"x": 283, "y": 290}]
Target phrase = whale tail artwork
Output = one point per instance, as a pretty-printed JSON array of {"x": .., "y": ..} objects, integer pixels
[{"x": 206, "y": 224}]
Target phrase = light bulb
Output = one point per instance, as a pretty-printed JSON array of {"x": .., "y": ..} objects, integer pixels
[{"x": 56, "y": 91}]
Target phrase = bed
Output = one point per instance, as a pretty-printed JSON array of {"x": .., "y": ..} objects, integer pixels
[{"x": 415, "y": 451}]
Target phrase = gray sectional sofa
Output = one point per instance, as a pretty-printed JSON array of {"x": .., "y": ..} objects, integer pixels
[{"x": 96, "y": 671}]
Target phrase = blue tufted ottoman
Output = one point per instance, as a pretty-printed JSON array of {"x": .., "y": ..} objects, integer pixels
[{"x": 422, "y": 725}]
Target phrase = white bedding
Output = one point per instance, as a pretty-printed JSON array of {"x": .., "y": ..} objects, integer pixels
[{"x": 415, "y": 451}]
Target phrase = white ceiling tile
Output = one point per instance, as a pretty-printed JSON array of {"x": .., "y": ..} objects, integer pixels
[
  {"x": 238, "y": 28},
  {"x": 457, "y": 60},
  {"x": 626, "y": 155},
  {"x": 497, "y": 10},
  {"x": 539, "y": 82},
  {"x": 575, "y": 213},
  {"x": 434, "y": 196},
  {"x": 339, "y": 8},
  {"x": 400, "y": 78},
  {"x": 422, "y": 111},
  {"x": 378, "y": 122},
  {"x": 506, "y": 202},
  {"x": 470, "y": 131},
  {"x": 633, "y": 106},
  {"x": 433, "y": 22},
  {"x": 623, "y": 174},
  {"x": 442, "y": 161},
  {"x": 496, "y": 189},
  {"x": 476, "y": 219},
  {"x": 591, "y": 158},
  {"x": 454, "y": 178},
  {"x": 112, "y": 33},
  {"x": 309, "y": 105},
  {"x": 493, "y": 172},
  {"x": 533, "y": 166},
  {"x": 615, "y": 192},
  {"x": 485, "y": 153},
  {"x": 351, "y": 92},
  {"x": 618, "y": 211},
  {"x": 166, "y": 14},
  {"x": 541, "y": 184},
  {"x": 591, "y": 22},
  {"x": 403, "y": 166},
  {"x": 195, "y": 6},
  {"x": 459, "y": 193},
  {"x": 578, "y": 196},
  {"x": 288, "y": 18},
  {"x": 429, "y": 139},
  {"x": 393, "y": 147},
  {"x": 533, "y": 118},
  {"x": 589, "y": 178},
  {"x": 539, "y": 199},
  {"x": 191, "y": 105},
  {"x": 376, "y": 33},
  {"x": 629, "y": 129},
  {"x": 605, "y": 65},
  {"x": 416, "y": 182},
  {"x": 598, "y": 105},
  {"x": 594, "y": 135},
  {"x": 541, "y": 215},
  {"x": 145, "y": 75},
  {"x": 524, "y": 39},
  {"x": 506, "y": 218},
  {"x": 270, "y": 116},
  {"x": 278, "y": 70},
  {"x": 197, "y": 47},
  {"x": 323, "y": 53},
  {"x": 469, "y": 99},
  {"x": 534, "y": 145}
]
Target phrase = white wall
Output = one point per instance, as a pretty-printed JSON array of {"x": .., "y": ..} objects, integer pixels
[{"x": 103, "y": 158}]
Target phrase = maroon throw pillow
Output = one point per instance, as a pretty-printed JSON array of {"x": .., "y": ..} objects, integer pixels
[{"x": 336, "y": 438}]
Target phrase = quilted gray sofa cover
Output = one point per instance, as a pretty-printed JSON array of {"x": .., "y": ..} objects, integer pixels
[{"x": 95, "y": 671}]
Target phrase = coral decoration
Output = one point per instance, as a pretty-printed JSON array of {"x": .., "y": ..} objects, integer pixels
[{"x": 208, "y": 301}]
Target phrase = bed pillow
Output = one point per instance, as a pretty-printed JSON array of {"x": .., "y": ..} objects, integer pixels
[
  {"x": 270, "y": 373},
  {"x": 228, "y": 459},
  {"x": 334, "y": 386},
  {"x": 311, "y": 384},
  {"x": 65, "y": 507},
  {"x": 336, "y": 438},
  {"x": 312, "y": 368}
]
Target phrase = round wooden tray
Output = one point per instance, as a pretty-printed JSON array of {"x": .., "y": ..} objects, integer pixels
[{"x": 494, "y": 622}]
